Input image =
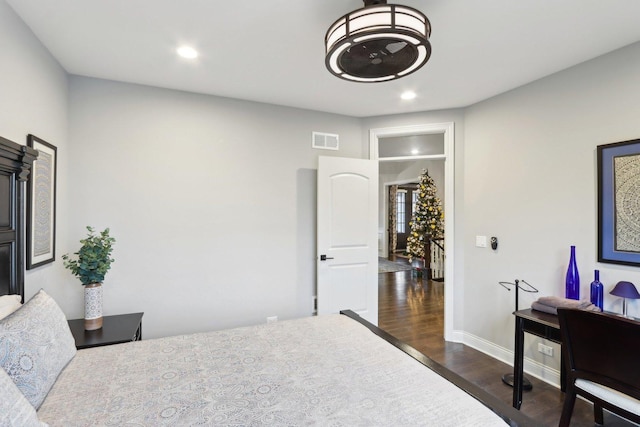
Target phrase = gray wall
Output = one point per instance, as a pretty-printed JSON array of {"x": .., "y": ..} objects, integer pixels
[
  {"x": 211, "y": 200},
  {"x": 34, "y": 100},
  {"x": 530, "y": 179}
]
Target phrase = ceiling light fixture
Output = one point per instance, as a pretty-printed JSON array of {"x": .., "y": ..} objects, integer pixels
[
  {"x": 187, "y": 52},
  {"x": 378, "y": 43},
  {"x": 408, "y": 95}
]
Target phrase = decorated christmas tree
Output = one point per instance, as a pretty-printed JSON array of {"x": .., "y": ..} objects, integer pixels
[{"x": 427, "y": 220}]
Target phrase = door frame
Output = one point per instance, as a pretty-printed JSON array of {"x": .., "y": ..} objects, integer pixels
[{"x": 447, "y": 129}]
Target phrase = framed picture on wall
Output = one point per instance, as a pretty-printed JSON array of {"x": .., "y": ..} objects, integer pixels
[
  {"x": 41, "y": 205},
  {"x": 619, "y": 203}
]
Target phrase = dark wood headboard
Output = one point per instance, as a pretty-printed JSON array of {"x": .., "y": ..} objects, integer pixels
[{"x": 15, "y": 165}]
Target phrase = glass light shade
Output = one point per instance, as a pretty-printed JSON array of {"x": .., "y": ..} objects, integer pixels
[{"x": 378, "y": 43}]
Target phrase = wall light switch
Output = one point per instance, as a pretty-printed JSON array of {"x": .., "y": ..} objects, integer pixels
[{"x": 481, "y": 241}]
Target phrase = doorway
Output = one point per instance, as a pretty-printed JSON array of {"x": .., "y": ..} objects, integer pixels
[
  {"x": 446, "y": 130},
  {"x": 399, "y": 181}
]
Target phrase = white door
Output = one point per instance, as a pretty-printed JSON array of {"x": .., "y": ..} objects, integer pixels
[{"x": 347, "y": 257}]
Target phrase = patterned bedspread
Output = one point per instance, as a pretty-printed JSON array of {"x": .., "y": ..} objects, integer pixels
[{"x": 326, "y": 370}]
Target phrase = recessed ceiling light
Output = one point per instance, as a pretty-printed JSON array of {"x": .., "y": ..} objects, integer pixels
[
  {"x": 408, "y": 95},
  {"x": 187, "y": 52},
  {"x": 414, "y": 151}
]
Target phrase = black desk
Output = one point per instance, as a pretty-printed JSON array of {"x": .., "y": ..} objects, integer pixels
[
  {"x": 537, "y": 323},
  {"x": 116, "y": 329}
]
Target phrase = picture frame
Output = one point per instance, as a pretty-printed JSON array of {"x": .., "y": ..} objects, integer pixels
[
  {"x": 619, "y": 203},
  {"x": 41, "y": 204}
]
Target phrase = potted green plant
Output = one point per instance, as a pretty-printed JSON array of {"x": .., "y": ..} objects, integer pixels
[{"x": 94, "y": 260}]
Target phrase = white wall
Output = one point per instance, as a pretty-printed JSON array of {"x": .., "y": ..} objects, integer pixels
[
  {"x": 33, "y": 99},
  {"x": 530, "y": 179},
  {"x": 211, "y": 200}
]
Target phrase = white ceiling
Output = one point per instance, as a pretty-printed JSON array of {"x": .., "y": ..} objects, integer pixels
[{"x": 273, "y": 52}]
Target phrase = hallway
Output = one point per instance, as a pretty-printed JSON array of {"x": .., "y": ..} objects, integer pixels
[{"x": 413, "y": 311}]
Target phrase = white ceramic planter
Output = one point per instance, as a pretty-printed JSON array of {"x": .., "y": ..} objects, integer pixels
[{"x": 93, "y": 306}]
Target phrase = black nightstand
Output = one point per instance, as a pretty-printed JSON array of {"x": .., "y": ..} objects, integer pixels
[{"x": 116, "y": 329}]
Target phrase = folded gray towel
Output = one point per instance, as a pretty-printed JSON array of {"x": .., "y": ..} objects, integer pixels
[
  {"x": 556, "y": 302},
  {"x": 551, "y": 304},
  {"x": 545, "y": 308}
]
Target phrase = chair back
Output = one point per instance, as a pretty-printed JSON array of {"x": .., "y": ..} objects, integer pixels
[{"x": 602, "y": 348}]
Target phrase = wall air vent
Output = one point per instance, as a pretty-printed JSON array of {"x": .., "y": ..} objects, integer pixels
[{"x": 325, "y": 141}]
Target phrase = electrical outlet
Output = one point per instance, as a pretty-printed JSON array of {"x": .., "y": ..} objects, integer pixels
[
  {"x": 272, "y": 319},
  {"x": 545, "y": 349}
]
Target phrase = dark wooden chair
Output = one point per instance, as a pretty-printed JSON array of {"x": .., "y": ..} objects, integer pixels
[{"x": 601, "y": 357}]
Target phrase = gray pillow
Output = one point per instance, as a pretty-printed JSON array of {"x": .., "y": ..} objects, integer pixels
[
  {"x": 35, "y": 346},
  {"x": 15, "y": 410}
]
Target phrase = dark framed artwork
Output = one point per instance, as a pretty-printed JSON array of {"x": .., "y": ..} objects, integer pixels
[
  {"x": 41, "y": 205},
  {"x": 619, "y": 203}
]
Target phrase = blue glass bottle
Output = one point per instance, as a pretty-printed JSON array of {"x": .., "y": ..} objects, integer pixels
[
  {"x": 572, "y": 282},
  {"x": 597, "y": 289}
]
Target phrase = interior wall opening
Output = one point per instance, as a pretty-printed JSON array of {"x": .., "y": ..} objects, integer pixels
[{"x": 397, "y": 155}]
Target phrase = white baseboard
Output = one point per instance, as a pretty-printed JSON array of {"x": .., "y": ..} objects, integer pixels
[
  {"x": 531, "y": 367},
  {"x": 456, "y": 336}
]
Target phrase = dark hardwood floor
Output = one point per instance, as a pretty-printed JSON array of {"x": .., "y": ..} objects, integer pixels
[{"x": 413, "y": 311}]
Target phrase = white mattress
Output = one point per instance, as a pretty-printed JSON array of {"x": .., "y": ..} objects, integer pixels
[{"x": 326, "y": 370}]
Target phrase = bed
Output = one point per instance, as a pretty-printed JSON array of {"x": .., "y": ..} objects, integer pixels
[{"x": 327, "y": 370}]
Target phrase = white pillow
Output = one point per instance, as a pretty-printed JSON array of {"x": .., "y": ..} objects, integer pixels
[
  {"x": 35, "y": 346},
  {"x": 15, "y": 410},
  {"x": 9, "y": 304}
]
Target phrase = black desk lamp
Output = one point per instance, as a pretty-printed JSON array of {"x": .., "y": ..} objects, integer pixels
[{"x": 508, "y": 378}]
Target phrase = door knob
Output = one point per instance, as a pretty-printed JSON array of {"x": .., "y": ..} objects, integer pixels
[{"x": 324, "y": 257}]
